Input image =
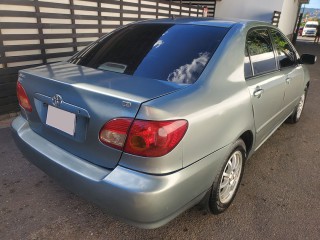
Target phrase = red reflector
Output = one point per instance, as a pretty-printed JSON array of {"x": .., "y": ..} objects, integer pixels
[
  {"x": 114, "y": 132},
  {"x": 154, "y": 138},
  {"x": 23, "y": 98}
]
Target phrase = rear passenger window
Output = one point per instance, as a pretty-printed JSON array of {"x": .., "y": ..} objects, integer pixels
[
  {"x": 286, "y": 56},
  {"x": 261, "y": 51}
]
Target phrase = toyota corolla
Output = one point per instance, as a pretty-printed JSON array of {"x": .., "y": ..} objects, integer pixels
[{"x": 160, "y": 115}]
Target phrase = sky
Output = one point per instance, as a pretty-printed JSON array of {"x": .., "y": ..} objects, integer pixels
[{"x": 313, "y": 4}]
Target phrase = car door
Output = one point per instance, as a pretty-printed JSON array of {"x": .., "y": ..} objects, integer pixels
[
  {"x": 290, "y": 69},
  {"x": 265, "y": 84}
]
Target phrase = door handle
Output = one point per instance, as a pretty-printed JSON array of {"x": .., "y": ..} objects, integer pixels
[
  {"x": 258, "y": 92},
  {"x": 288, "y": 80}
]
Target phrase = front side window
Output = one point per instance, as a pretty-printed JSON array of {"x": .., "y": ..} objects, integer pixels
[
  {"x": 286, "y": 55},
  {"x": 169, "y": 52},
  {"x": 261, "y": 51}
]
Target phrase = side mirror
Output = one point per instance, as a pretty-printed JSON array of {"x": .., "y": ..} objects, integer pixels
[{"x": 307, "y": 59}]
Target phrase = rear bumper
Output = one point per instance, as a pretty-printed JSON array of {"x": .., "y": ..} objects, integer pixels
[{"x": 144, "y": 200}]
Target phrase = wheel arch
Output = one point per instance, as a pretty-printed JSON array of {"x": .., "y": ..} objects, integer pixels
[
  {"x": 307, "y": 85},
  {"x": 247, "y": 138}
]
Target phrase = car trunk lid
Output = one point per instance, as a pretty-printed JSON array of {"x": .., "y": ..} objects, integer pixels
[{"x": 93, "y": 97}]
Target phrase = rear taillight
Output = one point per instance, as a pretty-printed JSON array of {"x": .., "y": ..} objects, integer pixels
[
  {"x": 143, "y": 138},
  {"x": 114, "y": 132},
  {"x": 154, "y": 138},
  {"x": 23, "y": 98}
]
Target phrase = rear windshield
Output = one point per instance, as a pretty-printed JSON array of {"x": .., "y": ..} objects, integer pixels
[{"x": 176, "y": 53}]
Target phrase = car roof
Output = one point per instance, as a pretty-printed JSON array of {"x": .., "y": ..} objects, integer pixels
[{"x": 207, "y": 21}]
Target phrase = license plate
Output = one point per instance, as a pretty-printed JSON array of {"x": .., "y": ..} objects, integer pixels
[{"x": 62, "y": 120}]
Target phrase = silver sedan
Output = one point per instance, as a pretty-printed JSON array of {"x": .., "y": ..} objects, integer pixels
[{"x": 161, "y": 115}]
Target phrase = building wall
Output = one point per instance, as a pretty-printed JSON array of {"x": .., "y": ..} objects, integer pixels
[
  {"x": 211, "y": 4},
  {"x": 288, "y": 16},
  {"x": 261, "y": 10}
]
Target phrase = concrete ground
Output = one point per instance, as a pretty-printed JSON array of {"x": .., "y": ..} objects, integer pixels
[{"x": 279, "y": 197}]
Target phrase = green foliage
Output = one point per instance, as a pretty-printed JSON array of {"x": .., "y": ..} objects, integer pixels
[{"x": 258, "y": 42}]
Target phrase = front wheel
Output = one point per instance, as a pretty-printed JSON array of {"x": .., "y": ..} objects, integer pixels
[
  {"x": 296, "y": 115},
  {"x": 227, "y": 182}
]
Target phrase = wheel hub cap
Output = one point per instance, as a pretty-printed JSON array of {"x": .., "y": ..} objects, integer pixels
[
  {"x": 230, "y": 177},
  {"x": 300, "y": 106}
]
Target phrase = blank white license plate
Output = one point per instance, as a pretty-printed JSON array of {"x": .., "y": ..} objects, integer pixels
[{"x": 62, "y": 120}]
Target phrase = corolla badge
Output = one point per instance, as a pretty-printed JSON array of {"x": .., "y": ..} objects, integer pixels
[
  {"x": 57, "y": 100},
  {"x": 126, "y": 104}
]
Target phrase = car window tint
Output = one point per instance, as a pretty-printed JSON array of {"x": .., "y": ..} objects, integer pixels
[
  {"x": 261, "y": 51},
  {"x": 247, "y": 64},
  {"x": 176, "y": 53},
  {"x": 286, "y": 55}
]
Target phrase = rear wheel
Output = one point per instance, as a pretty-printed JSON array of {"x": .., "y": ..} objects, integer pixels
[{"x": 227, "y": 182}]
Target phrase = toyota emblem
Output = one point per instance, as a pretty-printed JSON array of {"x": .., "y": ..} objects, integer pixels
[{"x": 56, "y": 100}]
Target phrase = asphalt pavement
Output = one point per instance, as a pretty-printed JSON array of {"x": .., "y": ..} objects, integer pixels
[{"x": 279, "y": 197}]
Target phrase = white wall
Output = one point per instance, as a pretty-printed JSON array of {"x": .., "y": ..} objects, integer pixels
[{"x": 261, "y": 10}]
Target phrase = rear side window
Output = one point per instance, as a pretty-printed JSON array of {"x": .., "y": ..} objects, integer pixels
[
  {"x": 176, "y": 53},
  {"x": 261, "y": 51},
  {"x": 286, "y": 55}
]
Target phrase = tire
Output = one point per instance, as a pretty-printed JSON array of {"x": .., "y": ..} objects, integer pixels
[
  {"x": 228, "y": 180},
  {"x": 296, "y": 115}
]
